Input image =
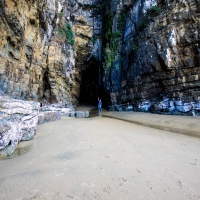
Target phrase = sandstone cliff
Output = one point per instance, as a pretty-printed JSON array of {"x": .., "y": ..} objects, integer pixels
[{"x": 39, "y": 41}]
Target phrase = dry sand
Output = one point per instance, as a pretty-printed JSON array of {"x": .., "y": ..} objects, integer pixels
[{"x": 102, "y": 158}]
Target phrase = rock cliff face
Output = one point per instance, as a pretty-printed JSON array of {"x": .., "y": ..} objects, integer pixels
[
  {"x": 143, "y": 51},
  {"x": 39, "y": 43},
  {"x": 35, "y": 63},
  {"x": 158, "y": 54}
]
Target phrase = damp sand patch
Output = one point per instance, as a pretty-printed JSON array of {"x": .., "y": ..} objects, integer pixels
[
  {"x": 19, "y": 151},
  {"x": 177, "y": 124},
  {"x": 103, "y": 158}
]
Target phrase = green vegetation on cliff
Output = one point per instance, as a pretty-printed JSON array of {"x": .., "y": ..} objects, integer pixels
[
  {"x": 66, "y": 30},
  {"x": 113, "y": 39}
]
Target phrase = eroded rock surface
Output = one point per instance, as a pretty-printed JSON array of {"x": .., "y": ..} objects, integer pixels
[
  {"x": 18, "y": 121},
  {"x": 44, "y": 46},
  {"x": 159, "y": 55}
]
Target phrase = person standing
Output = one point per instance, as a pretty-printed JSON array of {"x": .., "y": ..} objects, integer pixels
[
  {"x": 193, "y": 109},
  {"x": 99, "y": 106}
]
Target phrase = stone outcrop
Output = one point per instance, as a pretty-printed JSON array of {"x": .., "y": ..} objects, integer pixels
[
  {"x": 48, "y": 116},
  {"x": 82, "y": 114},
  {"x": 53, "y": 112},
  {"x": 18, "y": 121}
]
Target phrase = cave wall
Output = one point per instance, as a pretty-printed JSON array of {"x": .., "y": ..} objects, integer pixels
[{"x": 159, "y": 56}]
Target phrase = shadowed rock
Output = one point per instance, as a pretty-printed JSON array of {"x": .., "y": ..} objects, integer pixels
[{"x": 82, "y": 114}]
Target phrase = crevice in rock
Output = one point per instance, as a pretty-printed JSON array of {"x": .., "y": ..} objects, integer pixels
[
  {"x": 10, "y": 142},
  {"x": 47, "y": 86}
]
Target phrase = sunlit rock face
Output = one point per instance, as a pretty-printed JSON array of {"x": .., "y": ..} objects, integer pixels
[
  {"x": 36, "y": 59},
  {"x": 38, "y": 54},
  {"x": 33, "y": 59},
  {"x": 160, "y": 53}
]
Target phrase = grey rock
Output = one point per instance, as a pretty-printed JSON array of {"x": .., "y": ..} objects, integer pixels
[
  {"x": 87, "y": 114},
  {"x": 18, "y": 122},
  {"x": 118, "y": 108},
  {"x": 82, "y": 114},
  {"x": 160, "y": 57},
  {"x": 48, "y": 116},
  {"x": 145, "y": 106},
  {"x": 72, "y": 114},
  {"x": 183, "y": 107}
]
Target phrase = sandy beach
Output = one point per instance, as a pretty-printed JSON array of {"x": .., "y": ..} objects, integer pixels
[{"x": 105, "y": 159}]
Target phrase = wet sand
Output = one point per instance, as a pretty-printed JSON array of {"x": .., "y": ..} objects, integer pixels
[
  {"x": 187, "y": 125},
  {"x": 103, "y": 158}
]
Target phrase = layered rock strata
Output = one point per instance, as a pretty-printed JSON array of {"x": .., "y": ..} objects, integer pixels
[
  {"x": 39, "y": 43},
  {"x": 18, "y": 121},
  {"x": 159, "y": 54},
  {"x": 37, "y": 60}
]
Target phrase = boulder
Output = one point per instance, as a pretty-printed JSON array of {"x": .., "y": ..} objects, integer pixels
[
  {"x": 48, "y": 116},
  {"x": 18, "y": 121},
  {"x": 183, "y": 107},
  {"x": 82, "y": 114},
  {"x": 145, "y": 106}
]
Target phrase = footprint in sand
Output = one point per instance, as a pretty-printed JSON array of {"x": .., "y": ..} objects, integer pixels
[
  {"x": 149, "y": 184},
  {"x": 138, "y": 171},
  {"x": 122, "y": 180},
  {"x": 106, "y": 189},
  {"x": 166, "y": 190}
]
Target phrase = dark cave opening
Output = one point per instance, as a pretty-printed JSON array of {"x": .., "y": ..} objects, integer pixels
[{"x": 91, "y": 83}]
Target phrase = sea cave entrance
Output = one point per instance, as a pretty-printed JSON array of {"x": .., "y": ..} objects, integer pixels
[{"x": 91, "y": 83}]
